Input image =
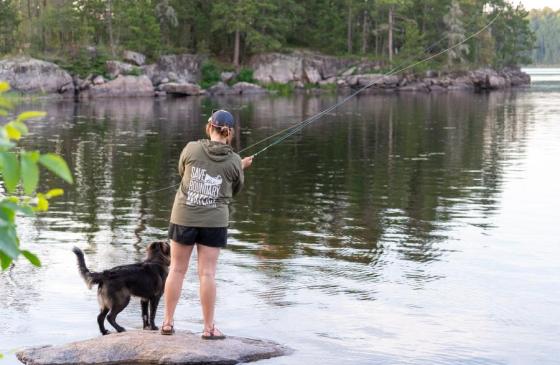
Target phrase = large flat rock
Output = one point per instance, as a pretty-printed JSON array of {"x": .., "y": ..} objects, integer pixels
[{"x": 149, "y": 347}]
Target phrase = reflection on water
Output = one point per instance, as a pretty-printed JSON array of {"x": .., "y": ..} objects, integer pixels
[{"x": 399, "y": 229}]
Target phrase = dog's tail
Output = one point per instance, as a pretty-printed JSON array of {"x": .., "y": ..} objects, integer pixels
[{"x": 89, "y": 277}]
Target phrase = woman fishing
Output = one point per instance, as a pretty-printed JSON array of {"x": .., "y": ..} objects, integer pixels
[{"x": 211, "y": 173}]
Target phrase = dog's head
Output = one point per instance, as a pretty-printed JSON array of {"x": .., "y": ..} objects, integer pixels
[{"x": 159, "y": 251}]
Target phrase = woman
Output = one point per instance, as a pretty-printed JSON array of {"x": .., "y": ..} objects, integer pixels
[{"x": 211, "y": 173}]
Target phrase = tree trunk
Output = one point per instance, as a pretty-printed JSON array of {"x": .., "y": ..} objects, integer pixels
[
  {"x": 43, "y": 30},
  {"x": 349, "y": 28},
  {"x": 110, "y": 27},
  {"x": 364, "y": 33},
  {"x": 390, "y": 36},
  {"x": 236, "y": 49}
]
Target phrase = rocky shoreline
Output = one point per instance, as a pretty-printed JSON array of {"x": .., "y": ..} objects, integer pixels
[{"x": 180, "y": 75}]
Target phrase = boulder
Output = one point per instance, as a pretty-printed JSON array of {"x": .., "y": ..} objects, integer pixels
[
  {"x": 29, "y": 75},
  {"x": 227, "y": 76},
  {"x": 119, "y": 87},
  {"x": 149, "y": 347},
  {"x": 376, "y": 80},
  {"x": 297, "y": 66},
  {"x": 248, "y": 88},
  {"x": 98, "y": 80},
  {"x": 276, "y": 67},
  {"x": 116, "y": 68},
  {"x": 134, "y": 57},
  {"x": 178, "y": 68},
  {"x": 221, "y": 88},
  {"x": 414, "y": 86},
  {"x": 349, "y": 72},
  {"x": 182, "y": 88},
  {"x": 496, "y": 82},
  {"x": 311, "y": 74}
]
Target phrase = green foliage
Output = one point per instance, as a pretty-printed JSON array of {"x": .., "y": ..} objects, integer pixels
[
  {"x": 20, "y": 171},
  {"x": 513, "y": 46},
  {"x": 245, "y": 75},
  {"x": 455, "y": 33},
  {"x": 84, "y": 63},
  {"x": 9, "y": 21},
  {"x": 210, "y": 74},
  {"x": 546, "y": 25},
  {"x": 341, "y": 27},
  {"x": 135, "y": 71},
  {"x": 280, "y": 89}
]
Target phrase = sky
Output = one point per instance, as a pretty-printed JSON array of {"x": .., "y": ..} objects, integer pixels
[{"x": 538, "y": 4}]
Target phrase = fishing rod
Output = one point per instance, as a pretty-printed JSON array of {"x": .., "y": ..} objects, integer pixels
[
  {"x": 292, "y": 130},
  {"x": 298, "y": 127}
]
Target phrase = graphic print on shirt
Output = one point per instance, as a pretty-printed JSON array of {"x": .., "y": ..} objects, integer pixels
[{"x": 203, "y": 188}]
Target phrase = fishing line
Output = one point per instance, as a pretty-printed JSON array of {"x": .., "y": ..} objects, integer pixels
[
  {"x": 292, "y": 130},
  {"x": 298, "y": 127}
]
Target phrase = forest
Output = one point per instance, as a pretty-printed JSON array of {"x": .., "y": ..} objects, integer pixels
[
  {"x": 233, "y": 30},
  {"x": 545, "y": 24}
]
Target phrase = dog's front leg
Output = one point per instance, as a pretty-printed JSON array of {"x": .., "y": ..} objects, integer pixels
[
  {"x": 145, "y": 317},
  {"x": 154, "y": 301}
]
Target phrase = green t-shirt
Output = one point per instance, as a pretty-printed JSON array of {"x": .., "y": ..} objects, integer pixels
[{"x": 211, "y": 173}]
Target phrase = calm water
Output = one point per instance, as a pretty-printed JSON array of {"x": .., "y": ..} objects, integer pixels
[{"x": 411, "y": 229}]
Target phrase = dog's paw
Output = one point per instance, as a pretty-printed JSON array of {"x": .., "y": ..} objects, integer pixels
[{"x": 106, "y": 333}]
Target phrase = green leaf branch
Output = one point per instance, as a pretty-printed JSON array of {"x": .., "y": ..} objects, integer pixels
[{"x": 20, "y": 173}]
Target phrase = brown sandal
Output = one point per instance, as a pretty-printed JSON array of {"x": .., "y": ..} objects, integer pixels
[
  {"x": 212, "y": 334},
  {"x": 167, "y": 329}
]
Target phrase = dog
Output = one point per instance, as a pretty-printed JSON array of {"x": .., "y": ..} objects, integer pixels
[{"x": 115, "y": 286}]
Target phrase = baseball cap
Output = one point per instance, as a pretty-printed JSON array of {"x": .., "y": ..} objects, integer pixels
[{"x": 222, "y": 118}]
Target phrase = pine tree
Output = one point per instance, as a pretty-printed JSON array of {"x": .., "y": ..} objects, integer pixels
[{"x": 455, "y": 34}]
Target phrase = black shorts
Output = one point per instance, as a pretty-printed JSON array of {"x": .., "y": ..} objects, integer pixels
[{"x": 207, "y": 236}]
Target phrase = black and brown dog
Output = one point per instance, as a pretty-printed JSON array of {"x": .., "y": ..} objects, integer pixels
[{"x": 115, "y": 286}]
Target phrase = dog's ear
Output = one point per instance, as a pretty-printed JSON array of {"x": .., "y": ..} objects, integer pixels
[{"x": 165, "y": 248}]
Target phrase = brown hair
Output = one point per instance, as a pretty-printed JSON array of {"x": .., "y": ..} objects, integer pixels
[{"x": 224, "y": 131}]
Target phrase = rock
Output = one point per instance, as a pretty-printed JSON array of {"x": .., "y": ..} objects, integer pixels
[
  {"x": 182, "y": 68},
  {"x": 330, "y": 80},
  {"x": 159, "y": 94},
  {"x": 248, "y": 88},
  {"x": 436, "y": 88},
  {"x": 431, "y": 74},
  {"x": 116, "y": 68},
  {"x": 515, "y": 76},
  {"x": 134, "y": 57},
  {"x": 227, "y": 76},
  {"x": 29, "y": 75},
  {"x": 121, "y": 86},
  {"x": 98, "y": 80},
  {"x": 298, "y": 66},
  {"x": 184, "y": 88},
  {"x": 311, "y": 74},
  {"x": 414, "y": 86},
  {"x": 349, "y": 72},
  {"x": 276, "y": 67},
  {"x": 172, "y": 77},
  {"x": 496, "y": 82},
  {"x": 220, "y": 88},
  {"x": 147, "y": 347}
]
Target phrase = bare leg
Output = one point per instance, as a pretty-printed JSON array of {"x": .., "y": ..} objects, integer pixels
[
  {"x": 180, "y": 256},
  {"x": 207, "y": 262}
]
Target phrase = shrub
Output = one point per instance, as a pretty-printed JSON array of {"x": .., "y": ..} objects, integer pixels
[{"x": 20, "y": 177}]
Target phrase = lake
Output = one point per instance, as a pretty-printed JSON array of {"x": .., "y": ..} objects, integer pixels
[{"x": 399, "y": 229}]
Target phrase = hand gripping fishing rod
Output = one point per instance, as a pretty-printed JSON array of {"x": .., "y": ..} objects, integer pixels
[{"x": 292, "y": 130}]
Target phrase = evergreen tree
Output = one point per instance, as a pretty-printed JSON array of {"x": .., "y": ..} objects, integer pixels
[
  {"x": 455, "y": 32},
  {"x": 9, "y": 21}
]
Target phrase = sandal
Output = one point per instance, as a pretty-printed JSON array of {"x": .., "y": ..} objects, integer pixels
[
  {"x": 167, "y": 329},
  {"x": 211, "y": 334}
]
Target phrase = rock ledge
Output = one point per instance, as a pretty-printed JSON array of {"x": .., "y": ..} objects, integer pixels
[{"x": 147, "y": 347}]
